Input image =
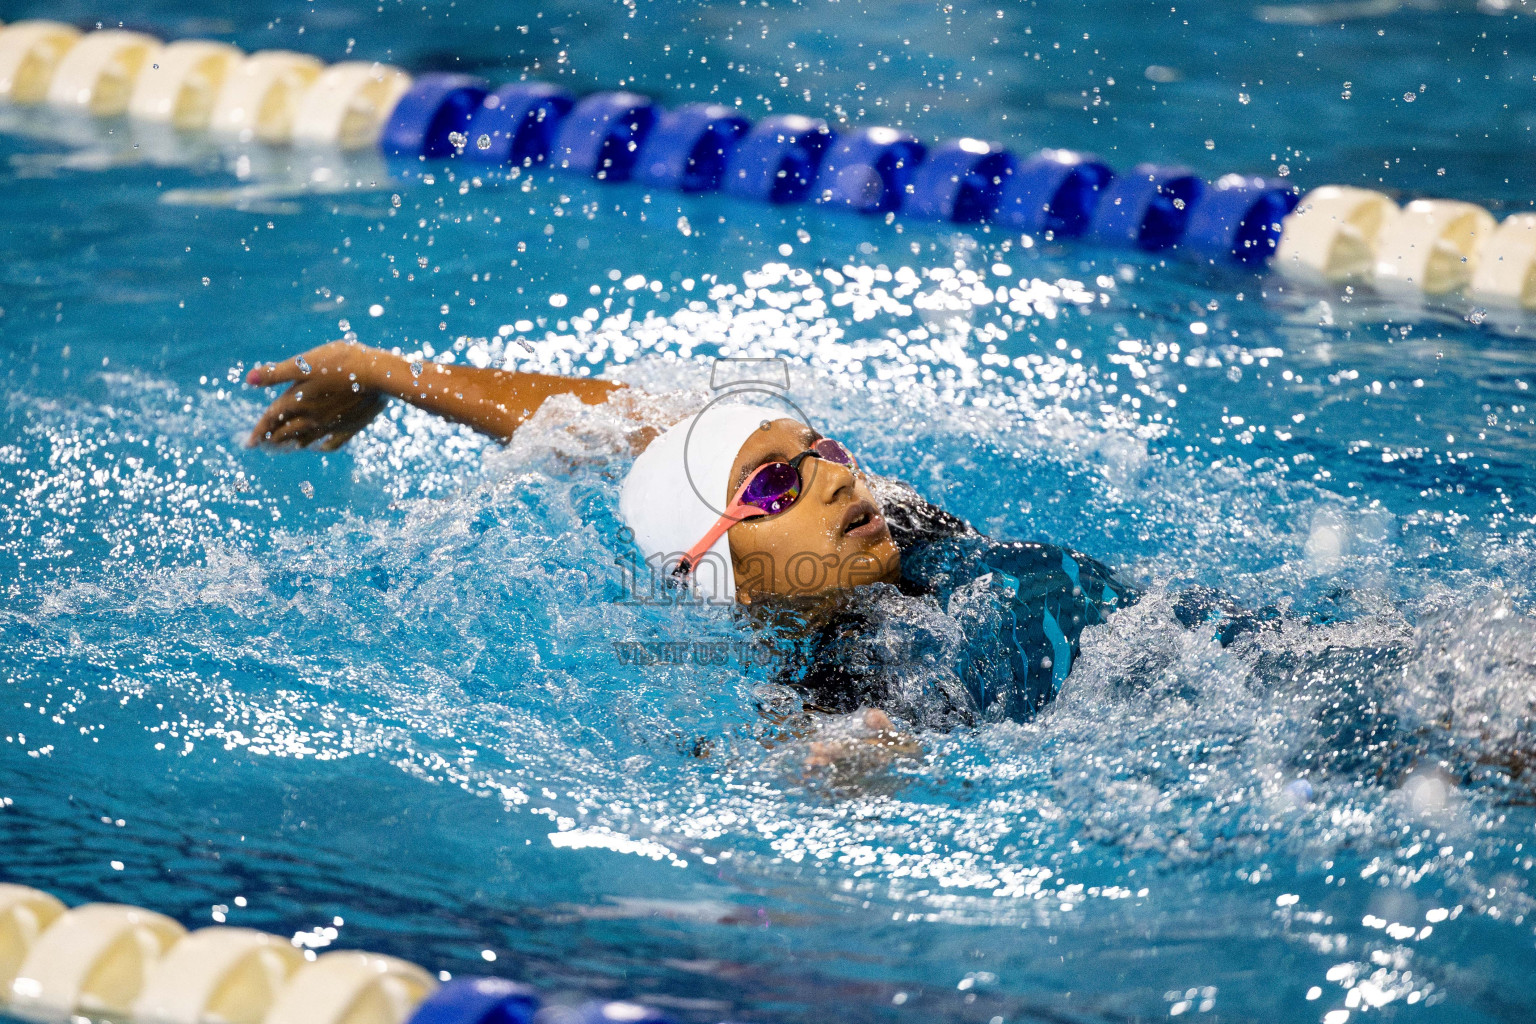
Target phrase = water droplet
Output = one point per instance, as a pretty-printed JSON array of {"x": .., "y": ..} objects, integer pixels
[
  {"x": 483, "y": 142},
  {"x": 302, "y": 364},
  {"x": 1299, "y": 791},
  {"x": 1409, "y": 97}
]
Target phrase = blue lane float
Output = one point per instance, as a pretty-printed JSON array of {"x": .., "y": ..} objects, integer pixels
[
  {"x": 435, "y": 108},
  {"x": 1238, "y": 220},
  {"x": 1055, "y": 191},
  {"x": 478, "y": 1001},
  {"x": 870, "y": 171},
  {"x": 687, "y": 149},
  {"x": 517, "y": 123},
  {"x": 778, "y": 159},
  {"x": 603, "y": 133},
  {"x": 618, "y": 136},
  {"x": 960, "y": 181},
  {"x": 1148, "y": 208}
]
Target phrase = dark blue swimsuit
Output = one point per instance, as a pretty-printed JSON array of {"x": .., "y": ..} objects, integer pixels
[{"x": 1019, "y": 607}]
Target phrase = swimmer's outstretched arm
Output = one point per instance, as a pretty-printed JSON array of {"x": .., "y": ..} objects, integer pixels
[{"x": 338, "y": 388}]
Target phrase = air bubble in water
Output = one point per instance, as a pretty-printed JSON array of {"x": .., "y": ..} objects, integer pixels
[
  {"x": 302, "y": 364},
  {"x": 483, "y": 142},
  {"x": 1243, "y": 98},
  {"x": 1477, "y": 315},
  {"x": 415, "y": 367},
  {"x": 394, "y": 200},
  {"x": 1410, "y": 96},
  {"x": 1283, "y": 170},
  {"x": 421, "y": 261},
  {"x": 458, "y": 139},
  {"x": 205, "y": 282},
  {"x": 1210, "y": 143}
]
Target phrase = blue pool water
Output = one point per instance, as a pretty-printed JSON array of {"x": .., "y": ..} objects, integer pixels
[{"x": 372, "y": 699}]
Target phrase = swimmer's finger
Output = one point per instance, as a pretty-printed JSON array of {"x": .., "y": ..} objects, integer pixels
[
  {"x": 301, "y": 431},
  {"x": 273, "y": 417},
  {"x": 352, "y": 424},
  {"x": 878, "y": 720},
  {"x": 265, "y": 375}
]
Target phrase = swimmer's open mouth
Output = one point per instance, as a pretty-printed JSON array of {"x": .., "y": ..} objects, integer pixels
[{"x": 863, "y": 520}]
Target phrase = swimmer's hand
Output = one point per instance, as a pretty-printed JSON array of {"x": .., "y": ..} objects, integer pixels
[
  {"x": 340, "y": 387},
  {"x": 332, "y": 398},
  {"x": 861, "y": 742}
]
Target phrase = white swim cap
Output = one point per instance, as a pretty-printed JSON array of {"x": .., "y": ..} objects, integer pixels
[{"x": 660, "y": 501}]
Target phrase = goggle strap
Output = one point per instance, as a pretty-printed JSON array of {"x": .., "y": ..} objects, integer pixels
[
  {"x": 733, "y": 515},
  {"x": 739, "y": 510}
]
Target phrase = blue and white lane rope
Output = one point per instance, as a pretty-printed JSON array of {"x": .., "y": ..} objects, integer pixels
[
  {"x": 1333, "y": 235},
  {"x": 126, "y": 963}
]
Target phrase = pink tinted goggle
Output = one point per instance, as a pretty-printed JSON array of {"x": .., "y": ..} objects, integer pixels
[{"x": 769, "y": 489}]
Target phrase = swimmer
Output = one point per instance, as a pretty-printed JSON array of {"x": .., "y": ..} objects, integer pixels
[{"x": 748, "y": 507}]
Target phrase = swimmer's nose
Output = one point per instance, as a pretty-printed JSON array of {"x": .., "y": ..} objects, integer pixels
[{"x": 831, "y": 479}]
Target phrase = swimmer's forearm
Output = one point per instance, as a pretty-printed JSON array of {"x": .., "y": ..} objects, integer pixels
[
  {"x": 495, "y": 402},
  {"x": 339, "y": 387}
]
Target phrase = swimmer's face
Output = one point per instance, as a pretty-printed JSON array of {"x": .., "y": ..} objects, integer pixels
[{"x": 833, "y": 538}]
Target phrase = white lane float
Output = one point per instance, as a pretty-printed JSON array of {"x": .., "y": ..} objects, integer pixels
[
  {"x": 1332, "y": 235},
  {"x": 347, "y": 987},
  {"x": 349, "y": 103},
  {"x": 182, "y": 83},
  {"x": 261, "y": 95},
  {"x": 24, "y": 915},
  {"x": 30, "y": 51},
  {"x": 1430, "y": 248},
  {"x": 228, "y": 975},
  {"x": 93, "y": 960},
  {"x": 1506, "y": 264},
  {"x": 97, "y": 74}
]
